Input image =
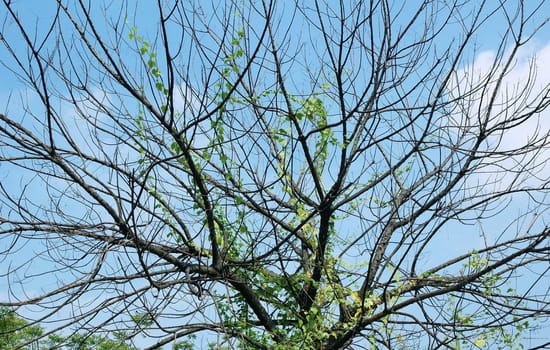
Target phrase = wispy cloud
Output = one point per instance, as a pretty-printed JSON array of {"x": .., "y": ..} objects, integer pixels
[{"x": 509, "y": 99}]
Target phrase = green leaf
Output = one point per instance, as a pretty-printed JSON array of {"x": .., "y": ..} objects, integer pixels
[
  {"x": 239, "y": 200},
  {"x": 175, "y": 147}
]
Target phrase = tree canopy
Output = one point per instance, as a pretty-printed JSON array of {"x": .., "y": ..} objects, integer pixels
[
  {"x": 15, "y": 331},
  {"x": 275, "y": 174}
]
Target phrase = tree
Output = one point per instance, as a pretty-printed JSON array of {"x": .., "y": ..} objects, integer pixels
[
  {"x": 314, "y": 175},
  {"x": 15, "y": 331}
]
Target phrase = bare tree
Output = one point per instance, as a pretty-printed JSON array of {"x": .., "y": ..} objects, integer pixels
[{"x": 277, "y": 174}]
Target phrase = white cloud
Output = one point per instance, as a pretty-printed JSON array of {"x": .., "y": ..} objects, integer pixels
[
  {"x": 186, "y": 100},
  {"x": 512, "y": 115}
]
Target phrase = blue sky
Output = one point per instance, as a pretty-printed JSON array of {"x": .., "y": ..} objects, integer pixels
[{"x": 14, "y": 96}]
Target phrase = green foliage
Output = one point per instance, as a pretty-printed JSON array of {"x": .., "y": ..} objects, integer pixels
[
  {"x": 150, "y": 58},
  {"x": 15, "y": 330},
  {"x": 468, "y": 335},
  {"x": 96, "y": 342},
  {"x": 186, "y": 344}
]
